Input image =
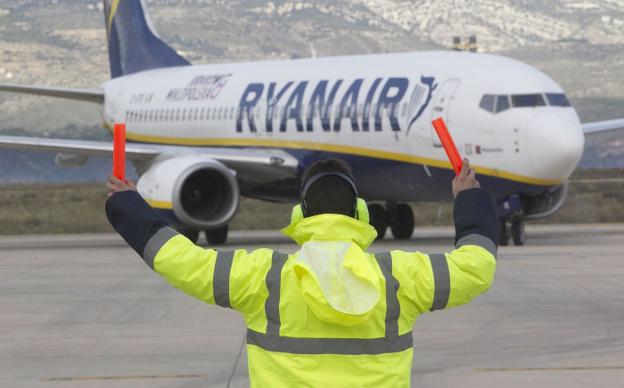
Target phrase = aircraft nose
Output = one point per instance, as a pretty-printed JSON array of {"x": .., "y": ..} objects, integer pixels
[{"x": 556, "y": 144}]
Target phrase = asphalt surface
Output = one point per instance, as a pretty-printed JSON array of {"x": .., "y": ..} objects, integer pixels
[{"x": 84, "y": 311}]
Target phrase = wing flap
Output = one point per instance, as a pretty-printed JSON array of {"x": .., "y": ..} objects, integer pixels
[
  {"x": 251, "y": 165},
  {"x": 88, "y": 95}
]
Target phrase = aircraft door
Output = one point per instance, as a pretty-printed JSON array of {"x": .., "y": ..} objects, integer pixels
[{"x": 441, "y": 105}]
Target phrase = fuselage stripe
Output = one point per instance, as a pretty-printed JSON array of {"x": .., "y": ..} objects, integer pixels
[{"x": 337, "y": 148}]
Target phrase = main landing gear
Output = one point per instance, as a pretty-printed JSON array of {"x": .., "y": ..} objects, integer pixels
[
  {"x": 398, "y": 216},
  {"x": 213, "y": 237},
  {"x": 217, "y": 236},
  {"x": 518, "y": 232}
]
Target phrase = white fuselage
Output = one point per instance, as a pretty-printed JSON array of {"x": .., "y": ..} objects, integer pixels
[{"x": 377, "y": 106}]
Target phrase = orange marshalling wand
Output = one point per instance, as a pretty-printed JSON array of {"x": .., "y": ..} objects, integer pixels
[
  {"x": 448, "y": 144},
  {"x": 119, "y": 151}
]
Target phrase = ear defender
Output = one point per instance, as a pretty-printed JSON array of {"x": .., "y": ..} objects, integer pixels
[
  {"x": 299, "y": 211},
  {"x": 361, "y": 211},
  {"x": 296, "y": 214}
]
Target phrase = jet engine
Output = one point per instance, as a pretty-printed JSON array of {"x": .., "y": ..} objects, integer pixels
[{"x": 203, "y": 193}]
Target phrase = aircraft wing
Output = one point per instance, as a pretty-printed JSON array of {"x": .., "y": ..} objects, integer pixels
[
  {"x": 252, "y": 165},
  {"x": 603, "y": 126},
  {"x": 89, "y": 95}
]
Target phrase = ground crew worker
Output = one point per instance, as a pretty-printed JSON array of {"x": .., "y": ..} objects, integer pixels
[{"x": 331, "y": 314}]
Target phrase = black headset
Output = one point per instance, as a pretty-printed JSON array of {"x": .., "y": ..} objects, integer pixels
[{"x": 320, "y": 175}]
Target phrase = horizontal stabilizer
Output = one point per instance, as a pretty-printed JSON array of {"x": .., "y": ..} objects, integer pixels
[
  {"x": 96, "y": 96},
  {"x": 603, "y": 126}
]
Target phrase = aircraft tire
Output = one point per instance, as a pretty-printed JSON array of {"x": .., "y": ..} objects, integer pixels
[
  {"x": 518, "y": 232},
  {"x": 378, "y": 219},
  {"x": 217, "y": 236},
  {"x": 191, "y": 234},
  {"x": 503, "y": 233},
  {"x": 403, "y": 225}
]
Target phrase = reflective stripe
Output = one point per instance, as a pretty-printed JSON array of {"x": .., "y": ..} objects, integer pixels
[
  {"x": 442, "y": 281},
  {"x": 221, "y": 278},
  {"x": 393, "y": 309},
  {"x": 272, "y": 341},
  {"x": 478, "y": 240},
  {"x": 156, "y": 242},
  {"x": 350, "y": 346},
  {"x": 273, "y": 283}
]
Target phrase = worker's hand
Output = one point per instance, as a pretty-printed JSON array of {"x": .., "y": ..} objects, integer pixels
[
  {"x": 116, "y": 185},
  {"x": 465, "y": 180}
]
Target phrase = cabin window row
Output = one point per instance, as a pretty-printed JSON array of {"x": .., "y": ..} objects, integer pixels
[{"x": 229, "y": 113}]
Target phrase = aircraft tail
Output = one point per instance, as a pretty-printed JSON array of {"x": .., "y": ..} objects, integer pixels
[{"x": 133, "y": 44}]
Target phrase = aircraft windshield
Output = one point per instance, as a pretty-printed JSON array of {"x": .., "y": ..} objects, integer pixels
[
  {"x": 527, "y": 100},
  {"x": 557, "y": 99},
  {"x": 499, "y": 103}
]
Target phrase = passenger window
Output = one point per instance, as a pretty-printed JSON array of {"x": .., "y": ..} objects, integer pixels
[
  {"x": 502, "y": 103},
  {"x": 201, "y": 114},
  {"x": 487, "y": 103},
  {"x": 527, "y": 100},
  {"x": 557, "y": 99}
]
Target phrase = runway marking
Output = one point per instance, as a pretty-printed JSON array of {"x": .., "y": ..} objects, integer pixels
[
  {"x": 139, "y": 377},
  {"x": 551, "y": 369}
]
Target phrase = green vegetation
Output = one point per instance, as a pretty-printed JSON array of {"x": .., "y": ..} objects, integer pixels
[{"x": 79, "y": 208}]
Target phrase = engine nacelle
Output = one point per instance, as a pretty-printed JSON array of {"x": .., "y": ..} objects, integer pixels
[{"x": 203, "y": 193}]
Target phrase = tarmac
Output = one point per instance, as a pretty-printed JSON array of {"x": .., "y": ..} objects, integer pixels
[{"x": 85, "y": 311}]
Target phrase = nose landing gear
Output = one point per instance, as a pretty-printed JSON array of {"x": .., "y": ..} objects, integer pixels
[{"x": 518, "y": 232}]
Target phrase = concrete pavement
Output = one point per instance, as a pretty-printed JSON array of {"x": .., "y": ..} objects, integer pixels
[{"x": 84, "y": 311}]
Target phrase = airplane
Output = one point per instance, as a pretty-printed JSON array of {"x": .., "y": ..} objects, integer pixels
[{"x": 202, "y": 136}]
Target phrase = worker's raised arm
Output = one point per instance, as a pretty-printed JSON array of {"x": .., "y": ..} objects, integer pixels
[
  {"x": 227, "y": 278},
  {"x": 438, "y": 281}
]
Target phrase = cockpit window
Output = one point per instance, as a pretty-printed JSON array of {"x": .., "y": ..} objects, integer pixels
[
  {"x": 527, "y": 100},
  {"x": 557, "y": 99},
  {"x": 502, "y": 103},
  {"x": 487, "y": 103}
]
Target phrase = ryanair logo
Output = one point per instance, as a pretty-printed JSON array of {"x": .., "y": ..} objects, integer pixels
[{"x": 360, "y": 105}]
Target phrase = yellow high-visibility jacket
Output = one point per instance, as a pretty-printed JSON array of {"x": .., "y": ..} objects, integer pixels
[{"x": 330, "y": 315}]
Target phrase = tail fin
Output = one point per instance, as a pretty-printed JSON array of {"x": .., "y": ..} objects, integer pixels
[{"x": 133, "y": 45}]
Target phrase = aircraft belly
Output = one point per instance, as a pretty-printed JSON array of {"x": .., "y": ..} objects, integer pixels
[{"x": 387, "y": 180}]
